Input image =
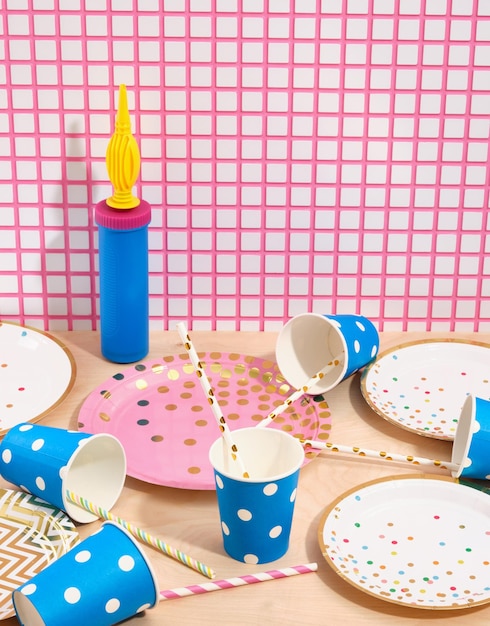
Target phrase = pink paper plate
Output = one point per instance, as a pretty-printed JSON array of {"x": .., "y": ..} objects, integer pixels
[{"x": 158, "y": 411}]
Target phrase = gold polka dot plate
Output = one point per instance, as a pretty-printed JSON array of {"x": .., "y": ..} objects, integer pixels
[
  {"x": 421, "y": 386},
  {"x": 160, "y": 414},
  {"x": 33, "y": 533},
  {"x": 36, "y": 374},
  {"x": 419, "y": 541}
]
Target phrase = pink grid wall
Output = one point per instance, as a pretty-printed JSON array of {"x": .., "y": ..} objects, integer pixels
[{"x": 322, "y": 155}]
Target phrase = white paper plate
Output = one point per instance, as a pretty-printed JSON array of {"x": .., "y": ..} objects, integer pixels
[
  {"x": 36, "y": 374},
  {"x": 418, "y": 541},
  {"x": 421, "y": 386}
]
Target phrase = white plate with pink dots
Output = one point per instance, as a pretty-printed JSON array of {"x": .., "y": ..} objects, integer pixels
[
  {"x": 160, "y": 414},
  {"x": 421, "y": 386},
  {"x": 419, "y": 541},
  {"x": 36, "y": 374}
]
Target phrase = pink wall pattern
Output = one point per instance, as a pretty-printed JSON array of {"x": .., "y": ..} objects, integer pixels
[{"x": 321, "y": 155}]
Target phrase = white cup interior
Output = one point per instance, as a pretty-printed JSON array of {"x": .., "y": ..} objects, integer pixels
[
  {"x": 267, "y": 454},
  {"x": 96, "y": 472},
  {"x": 27, "y": 611},
  {"x": 305, "y": 345},
  {"x": 463, "y": 436}
]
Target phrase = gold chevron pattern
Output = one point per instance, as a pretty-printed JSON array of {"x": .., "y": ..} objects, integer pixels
[{"x": 33, "y": 533}]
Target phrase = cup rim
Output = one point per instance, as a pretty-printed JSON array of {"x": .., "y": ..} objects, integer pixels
[
  {"x": 321, "y": 386},
  {"x": 277, "y": 433},
  {"x": 463, "y": 435},
  {"x": 74, "y": 511}
]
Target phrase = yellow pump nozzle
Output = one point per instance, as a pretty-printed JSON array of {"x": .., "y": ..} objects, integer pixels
[{"x": 123, "y": 158}]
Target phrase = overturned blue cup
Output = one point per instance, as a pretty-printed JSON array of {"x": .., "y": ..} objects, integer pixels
[
  {"x": 104, "y": 580},
  {"x": 339, "y": 345},
  {"x": 47, "y": 462},
  {"x": 471, "y": 446}
]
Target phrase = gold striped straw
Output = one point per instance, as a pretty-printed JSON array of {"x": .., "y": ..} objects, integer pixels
[
  {"x": 380, "y": 455},
  {"x": 298, "y": 393},
  {"x": 142, "y": 535},
  {"x": 208, "y": 390}
]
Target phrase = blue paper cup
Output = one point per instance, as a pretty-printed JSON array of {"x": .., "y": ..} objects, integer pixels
[
  {"x": 49, "y": 461},
  {"x": 471, "y": 446},
  {"x": 309, "y": 342},
  {"x": 256, "y": 513},
  {"x": 103, "y": 580}
]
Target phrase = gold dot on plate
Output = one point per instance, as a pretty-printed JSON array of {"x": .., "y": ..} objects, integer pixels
[
  {"x": 233, "y": 416},
  {"x": 254, "y": 372},
  {"x": 194, "y": 470},
  {"x": 215, "y": 368},
  {"x": 104, "y": 417},
  {"x": 163, "y": 389},
  {"x": 240, "y": 369},
  {"x": 242, "y": 382},
  {"x": 233, "y": 356},
  {"x": 267, "y": 377},
  {"x": 173, "y": 374},
  {"x": 190, "y": 442},
  {"x": 201, "y": 423},
  {"x": 242, "y": 401},
  {"x": 157, "y": 438},
  {"x": 188, "y": 368},
  {"x": 141, "y": 384},
  {"x": 189, "y": 384},
  {"x": 157, "y": 368},
  {"x": 169, "y": 359},
  {"x": 196, "y": 408},
  {"x": 170, "y": 407},
  {"x": 186, "y": 395},
  {"x": 226, "y": 373}
]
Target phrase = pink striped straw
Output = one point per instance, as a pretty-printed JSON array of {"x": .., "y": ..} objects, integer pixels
[{"x": 229, "y": 583}]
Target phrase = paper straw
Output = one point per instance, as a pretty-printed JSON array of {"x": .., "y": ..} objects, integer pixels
[
  {"x": 142, "y": 535},
  {"x": 298, "y": 393},
  {"x": 208, "y": 390},
  {"x": 380, "y": 455},
  {"x": 229, "y": 583}
]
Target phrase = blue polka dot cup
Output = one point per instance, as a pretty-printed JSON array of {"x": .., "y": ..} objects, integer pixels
[
  {"x": 338, "y": 345},
  {"x": 471, "y": 446},
  {"x": 256, "y": 513},
  {"x": 48, "y": 461},
  {"x": 104, "y": 580}
]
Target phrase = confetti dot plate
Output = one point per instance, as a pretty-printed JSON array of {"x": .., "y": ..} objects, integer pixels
[
  {"x": 33, "y": 533},
  {"x": 36, "y": 374},
  {"x": 160, "y": 414},
  {"x": 421, "y": 386},
  {"x": 418, "y": 541}
]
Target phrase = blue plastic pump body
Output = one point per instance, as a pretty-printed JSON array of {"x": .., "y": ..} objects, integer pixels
[{"x": 124, "y": 292}]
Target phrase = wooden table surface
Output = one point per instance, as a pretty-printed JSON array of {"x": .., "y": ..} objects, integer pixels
[{"x": 189, "y": 520}]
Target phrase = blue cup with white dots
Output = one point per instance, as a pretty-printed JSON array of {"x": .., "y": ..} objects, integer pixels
[
  {"x": 48, "y": 462},
  {"x": 103, "y": 580},
  {"x": 256, "y": 513},
  {"x": 336, "y": 345},
  {"x": 471, "y": 445}
]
